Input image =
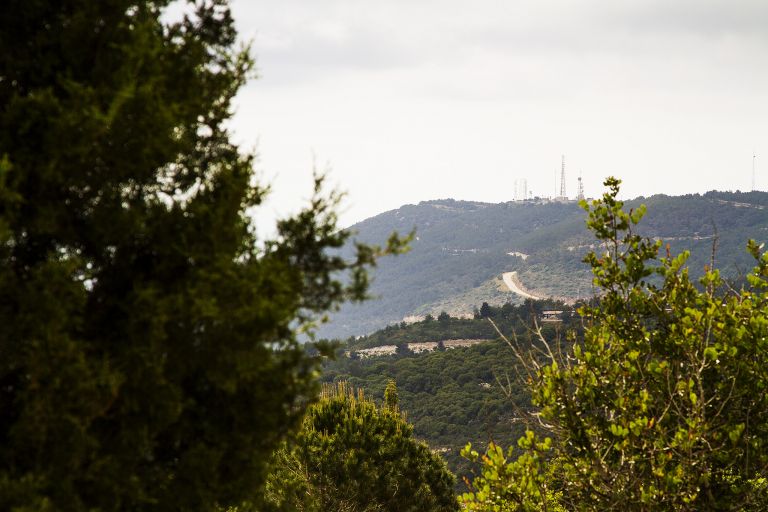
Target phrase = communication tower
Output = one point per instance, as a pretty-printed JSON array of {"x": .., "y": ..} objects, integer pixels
[
  {"x": 580, "y": 195},
  {"x": 753, "y": 170},
  {"x": 562, "y": 177},
  {"x": 521, "y": 190}
]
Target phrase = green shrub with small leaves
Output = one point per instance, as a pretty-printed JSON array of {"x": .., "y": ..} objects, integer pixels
[{"x": 662, "y": 404}]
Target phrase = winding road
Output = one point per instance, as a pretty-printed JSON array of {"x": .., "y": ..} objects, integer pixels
[{"x": 510, "y": 279}]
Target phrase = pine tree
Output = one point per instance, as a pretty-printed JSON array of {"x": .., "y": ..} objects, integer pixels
[
  {"x": 391, "y": 398},
  {"x": 353, "y": 455}
]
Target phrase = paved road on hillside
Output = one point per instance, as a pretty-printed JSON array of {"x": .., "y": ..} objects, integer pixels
[{"x": 509, "y": 280}]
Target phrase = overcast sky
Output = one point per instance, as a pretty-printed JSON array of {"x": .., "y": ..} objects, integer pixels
[{"x": 412, "y": 100}]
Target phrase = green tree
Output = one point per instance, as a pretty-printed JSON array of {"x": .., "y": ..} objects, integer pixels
[
  {"x": 402, "y": 349},
  {"x": 507, "y": 310},
  {"x": 391, "y": 398},
  {"x": 148, "y": 342},
  {"x": 352, "y": 455},
  {"x": 662, "y": 405}
]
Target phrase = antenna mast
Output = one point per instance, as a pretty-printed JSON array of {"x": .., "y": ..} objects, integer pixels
[
  {"x": 580, "y": 195},
  {"x": 562, "y": 177},
  {"x": 753, "y": 170}
]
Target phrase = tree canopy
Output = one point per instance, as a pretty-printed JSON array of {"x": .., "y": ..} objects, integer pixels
[
  {"x": 148, "y": 351},
  {"x": 352, "y": 455},
  {"x": 661, "y": 405}
]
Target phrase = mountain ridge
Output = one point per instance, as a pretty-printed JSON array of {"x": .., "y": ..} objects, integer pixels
[{"x": 462, "y": 249}]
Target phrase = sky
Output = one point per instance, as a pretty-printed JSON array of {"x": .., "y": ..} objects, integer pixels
[{"x": 409, "y": 100}]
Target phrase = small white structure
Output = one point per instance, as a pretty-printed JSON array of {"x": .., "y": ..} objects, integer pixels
[{"x": 552, "y": 315}]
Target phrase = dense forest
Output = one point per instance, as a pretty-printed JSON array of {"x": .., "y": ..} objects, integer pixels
[{"x": 452, "y": 396}]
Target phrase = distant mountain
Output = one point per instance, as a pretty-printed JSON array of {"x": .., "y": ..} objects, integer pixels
[{"x": 462, "y": 248}]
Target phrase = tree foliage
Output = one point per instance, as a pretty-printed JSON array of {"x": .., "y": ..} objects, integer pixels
[
  {"x": 352, "y": 455},
  {"x": 451, "y": 396},
  {"x": 662, "y": 404},
  {"x": 147, "y": 341},
  {"x": 391, "y": 398}
]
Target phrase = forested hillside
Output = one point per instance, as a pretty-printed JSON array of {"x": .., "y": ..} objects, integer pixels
[
  {"x": 456, "y": 395},
  {"x": 462, "y": 248}
]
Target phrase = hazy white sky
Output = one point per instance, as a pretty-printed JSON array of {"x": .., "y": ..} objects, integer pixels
[{"x": 413, "y": 100}]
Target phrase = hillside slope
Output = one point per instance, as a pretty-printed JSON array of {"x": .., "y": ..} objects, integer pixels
[
  {"x": 454, "y": 395},
  {"x": 463, "y": 248}
]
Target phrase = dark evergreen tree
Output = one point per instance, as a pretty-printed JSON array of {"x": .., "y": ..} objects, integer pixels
[
  {"x": 148, "y": 357},
  {"x": 402, "y": 349}
]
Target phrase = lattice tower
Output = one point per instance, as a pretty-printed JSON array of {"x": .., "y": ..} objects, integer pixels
[{"x": 562, "y": 177}]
